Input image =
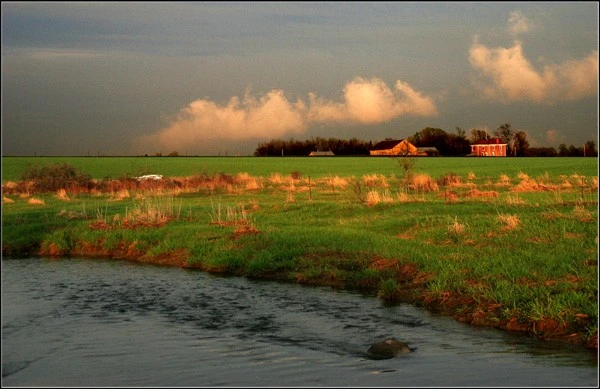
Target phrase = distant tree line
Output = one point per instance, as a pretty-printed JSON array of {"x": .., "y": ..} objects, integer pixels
[
  {"x": 588, "y": 150},
  {"x": 293, "y": 147},
  {"x": 448, "y": 144}
]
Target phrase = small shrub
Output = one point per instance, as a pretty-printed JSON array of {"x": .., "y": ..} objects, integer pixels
[{"x": 55, "y": 177}]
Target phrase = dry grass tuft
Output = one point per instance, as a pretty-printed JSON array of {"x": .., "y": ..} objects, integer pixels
[
  {"x": 249, "y": 182},
  {"x": 566, "y": 184},
  {"x": 552, "y": 214},
  {"x": 277, "y": 179},
  {"x": 511, "y": 222},
  {"x": 581, "y": 213},
  {"x": 450, "y": 179},
  {"x": 531, "y": 185},
  {"x": 423, "y": 183},
  {"x": 6, "y": 200},
  {"x": 449, "y": 196},
  {"x": 61, "y": 194},
  {"x": 456, "y": 228},
  {"x": 121, "y": 195},
  {"x": 290, "y": 199},
  {"x": 374, "y": 180},
  {"x": 254, "y": 205},
  {"x": 386, "y": 197},
  {"x": 36, "y": 201},
  {"x": 476, "y": 193},
  {"x": 503, "y": 180},
  {"x": 514, "y": 200},
  {"x": 471, "y": 176},
  {"x": 403, "y": 197},
  {"x": 372, "y": 198},
  {"x": 336, "y": 182}
]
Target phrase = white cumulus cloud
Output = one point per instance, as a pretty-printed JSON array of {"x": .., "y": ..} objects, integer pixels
[
  {"x": 510, "y": 76},
  {"x": 273, "y": 115},
  {"x": 518, "y": 23}
]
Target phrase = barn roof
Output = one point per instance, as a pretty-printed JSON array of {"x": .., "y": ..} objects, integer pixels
[
  {"x": 491, "y": 141},
  {"x": 386, "y": 144}
]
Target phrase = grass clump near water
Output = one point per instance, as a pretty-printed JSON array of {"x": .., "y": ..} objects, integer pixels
[{"x": 491, "y": 248}]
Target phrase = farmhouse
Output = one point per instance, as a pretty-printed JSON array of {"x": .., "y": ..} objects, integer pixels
[
  {"x": 493, "y": 147},
  {"x": 321, "y": 154},
  {"x": 394, "y": 147}
]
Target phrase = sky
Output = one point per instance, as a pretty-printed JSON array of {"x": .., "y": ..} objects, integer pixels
[{"x": 218, "y": 78}]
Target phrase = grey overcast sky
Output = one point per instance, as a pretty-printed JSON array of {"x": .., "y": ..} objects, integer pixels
[{"x": 216, "y": 78}]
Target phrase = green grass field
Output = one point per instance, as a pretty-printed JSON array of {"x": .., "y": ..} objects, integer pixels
[
  {"x": 517, "y": 236},
  {"x": 116, "y": 167}
]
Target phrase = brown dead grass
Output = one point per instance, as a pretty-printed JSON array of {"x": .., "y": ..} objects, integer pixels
[
  {"x": 531, "y": 185},
  {"x": 514, "y": 199},
  {"x": 336, "y": 182},
  {"x": 375, "y": 180},
  {"x": 121, "y": 195},
  {"x": 36, "y": 201},
  {"x": 476, "y": 193},
  {"x": 6, "y": 200},
  {"x": 61, "y": 194},
  {"x": 456, "y": 228},
  {"x": 423, "y": 183},
  {"x": 510, "y": 222},
  {"x": 582, "y": 214},
  {"x": 503, "y": 180}
]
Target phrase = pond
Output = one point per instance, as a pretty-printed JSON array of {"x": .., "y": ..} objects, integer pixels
[{"x": 83, "y": 322}]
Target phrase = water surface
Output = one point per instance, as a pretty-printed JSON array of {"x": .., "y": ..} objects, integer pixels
[{"x": 77, "y": 322}]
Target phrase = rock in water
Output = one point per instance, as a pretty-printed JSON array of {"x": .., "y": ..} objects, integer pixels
[{"x": 389, "y": 348}]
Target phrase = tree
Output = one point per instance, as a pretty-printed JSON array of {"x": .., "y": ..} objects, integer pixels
[
  {"x": 541, "y": 152},
  {"x": 563, "y": 150},
  {"x": 590, "y": 149},
  {"x": 506, "y": 134},
  {"x": 573, "y": 151},
  {"x": 479, "y": 135},
  {"x": 520, "y": 143}
]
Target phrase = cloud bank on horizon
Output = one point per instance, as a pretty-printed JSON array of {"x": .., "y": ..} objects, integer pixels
[
  {"x": 504, "y": 74},
  {"x": 273, "y": 115}
]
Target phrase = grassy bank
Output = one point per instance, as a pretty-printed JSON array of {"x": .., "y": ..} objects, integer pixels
[{"x": 484, "y": 240}]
